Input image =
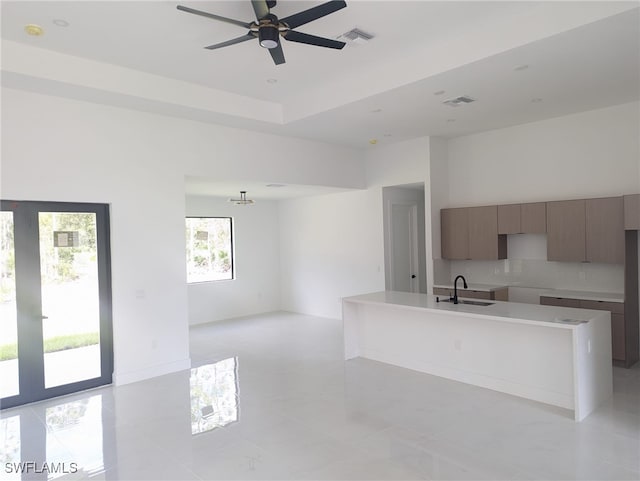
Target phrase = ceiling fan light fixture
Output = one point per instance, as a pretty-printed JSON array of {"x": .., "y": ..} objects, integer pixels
[
  {"x": 269, "y": 36},
  {"x": 242, "y": 200}
]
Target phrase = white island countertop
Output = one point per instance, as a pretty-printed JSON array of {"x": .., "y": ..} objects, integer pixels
[{"x": 515, "y": 312}]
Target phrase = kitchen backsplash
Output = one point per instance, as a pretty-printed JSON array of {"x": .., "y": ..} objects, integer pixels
[{"x": 527, "y": 267}]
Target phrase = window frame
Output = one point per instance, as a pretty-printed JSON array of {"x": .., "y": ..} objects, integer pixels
[{"x": 232, "y": 249}]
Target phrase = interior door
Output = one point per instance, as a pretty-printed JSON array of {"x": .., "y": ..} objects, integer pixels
[
  {"x": 404, "y": 247},
  {"x": 55, "y": 300}
]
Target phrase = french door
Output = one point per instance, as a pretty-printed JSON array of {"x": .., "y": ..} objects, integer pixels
[{"x": 55, "y": 300}]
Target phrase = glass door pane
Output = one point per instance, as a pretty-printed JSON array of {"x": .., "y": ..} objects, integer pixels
[
  {"x": 70, "y": 297},
  {"x": 8, "y": 312}
]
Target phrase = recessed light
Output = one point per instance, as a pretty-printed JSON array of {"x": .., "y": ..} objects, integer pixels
[
  {"x": 439, "y": 92},
  {"x": 373, "y": 141},
  {"x": 272, "y": 80},
  {"x": 33, "y": 29},
  {"x": 376, "y": 111},
  {"x": 520, "y": 68},
  {"x": 60, "y": 22},
  {"x": 276, "y": 185},
  {"x": 536, "y": 100}
]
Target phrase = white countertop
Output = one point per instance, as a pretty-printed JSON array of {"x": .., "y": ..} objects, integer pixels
[
  {"x": 498, "y": 310},
  {"x": 585, "y": 295},
  {"x": 472, "y": 287}
]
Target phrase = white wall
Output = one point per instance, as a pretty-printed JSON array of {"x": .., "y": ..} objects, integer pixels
[
  {"x": 332, "y": 246},
  {"x": 58, "y": 149},
  {"x": 256, "y": 287},
  {"x": 590, "y": 154},
  {"x": 437, "y": 269}
]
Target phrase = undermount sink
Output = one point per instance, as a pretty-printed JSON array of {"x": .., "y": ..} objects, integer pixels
[{"x": 472, "y": 303}]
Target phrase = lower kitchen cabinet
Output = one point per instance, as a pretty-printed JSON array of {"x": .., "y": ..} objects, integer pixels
[
  {"x": 618, "y": 337},
  {"x": 618, "y": 328},
  {"x": 559, "y": 302}
]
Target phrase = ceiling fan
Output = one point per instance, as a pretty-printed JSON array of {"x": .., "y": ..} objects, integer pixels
[{"x": 268, "y": 28}]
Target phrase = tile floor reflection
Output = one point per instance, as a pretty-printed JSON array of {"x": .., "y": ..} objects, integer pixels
[
  {"x": 214, "y": 395},
  {"x": 280, "y": 403}
]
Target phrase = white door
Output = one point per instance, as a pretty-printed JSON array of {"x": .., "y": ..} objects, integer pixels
[{"x": 404, "y": 248}]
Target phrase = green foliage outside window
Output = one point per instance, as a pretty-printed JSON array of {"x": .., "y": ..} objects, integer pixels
[{"x": 209, "y": 249}]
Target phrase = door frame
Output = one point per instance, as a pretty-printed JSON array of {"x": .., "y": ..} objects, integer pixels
[
  {"x": 406, "y": 194},
  {"x": 414, "y": 281},
  {"x": 29, "y": 299}
]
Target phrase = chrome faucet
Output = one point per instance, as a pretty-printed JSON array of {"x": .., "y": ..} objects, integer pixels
[{"x": 455, "y": 288}]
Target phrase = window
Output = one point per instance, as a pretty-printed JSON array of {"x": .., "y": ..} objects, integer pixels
[{"x": 209, "y": 249}]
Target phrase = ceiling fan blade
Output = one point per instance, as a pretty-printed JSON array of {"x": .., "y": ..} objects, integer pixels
[
  {"x": 277, "y": 54},
  {"x": 300, "y": 37},
  {"x": 215, "y": 17},
  {"x": 233, "y": 41},
  {"x": 261, "y": 8},
  {"x": 312, "y": 14}
]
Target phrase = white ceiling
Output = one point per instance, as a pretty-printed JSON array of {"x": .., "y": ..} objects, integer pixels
[
  {"x": 579, "y": 56},
  {"x": 156, "y": 38}
]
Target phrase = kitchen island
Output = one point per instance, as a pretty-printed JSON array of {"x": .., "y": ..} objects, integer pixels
[{"x": 555, "y": 355}]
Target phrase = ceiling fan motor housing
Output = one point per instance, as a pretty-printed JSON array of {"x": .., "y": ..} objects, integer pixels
[{"x": 269, "y": 35}]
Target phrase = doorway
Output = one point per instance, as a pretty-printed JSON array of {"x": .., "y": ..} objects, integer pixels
[
  {"x": 404, "y": 238},
  {"x": 55, "y": 300}
]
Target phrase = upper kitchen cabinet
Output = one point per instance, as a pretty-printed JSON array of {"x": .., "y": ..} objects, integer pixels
[
  {"x": 589, "y": 230},
  {"x": 509, "y": 219},
  {"x": 484, "y": 241},
  {"x": 632, "y": 212},
  {"x": 522, "y": 218},
  {"x": 566, "y": 231},
  {"x": 534, "y": 218},
  {"x": 472, "y": 233},
  {"x": 605, "y": 230},
  {"x": 454, "y": 229}
]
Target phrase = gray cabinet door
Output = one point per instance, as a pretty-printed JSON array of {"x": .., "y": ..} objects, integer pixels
[
  {"x": 483, "y": 232},
  {"x": 605, "y": 230},
  {"x": 559, "y": 301},
  {"x": 509, "y": 219},
  {"x": 632, "y": 212},
  {"x": 618, "y": 338},
  {"x": 533, "y": 218},
  {"x": 566, "y": 231},
  {"x": 454, "y": 233}
]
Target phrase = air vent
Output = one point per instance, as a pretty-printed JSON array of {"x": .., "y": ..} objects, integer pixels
[
  {"x": 464, "y": 99},
  {"x": 356, "y": 36}
]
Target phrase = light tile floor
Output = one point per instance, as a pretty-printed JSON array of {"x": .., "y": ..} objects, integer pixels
[{"x": 284, "y": 405}]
